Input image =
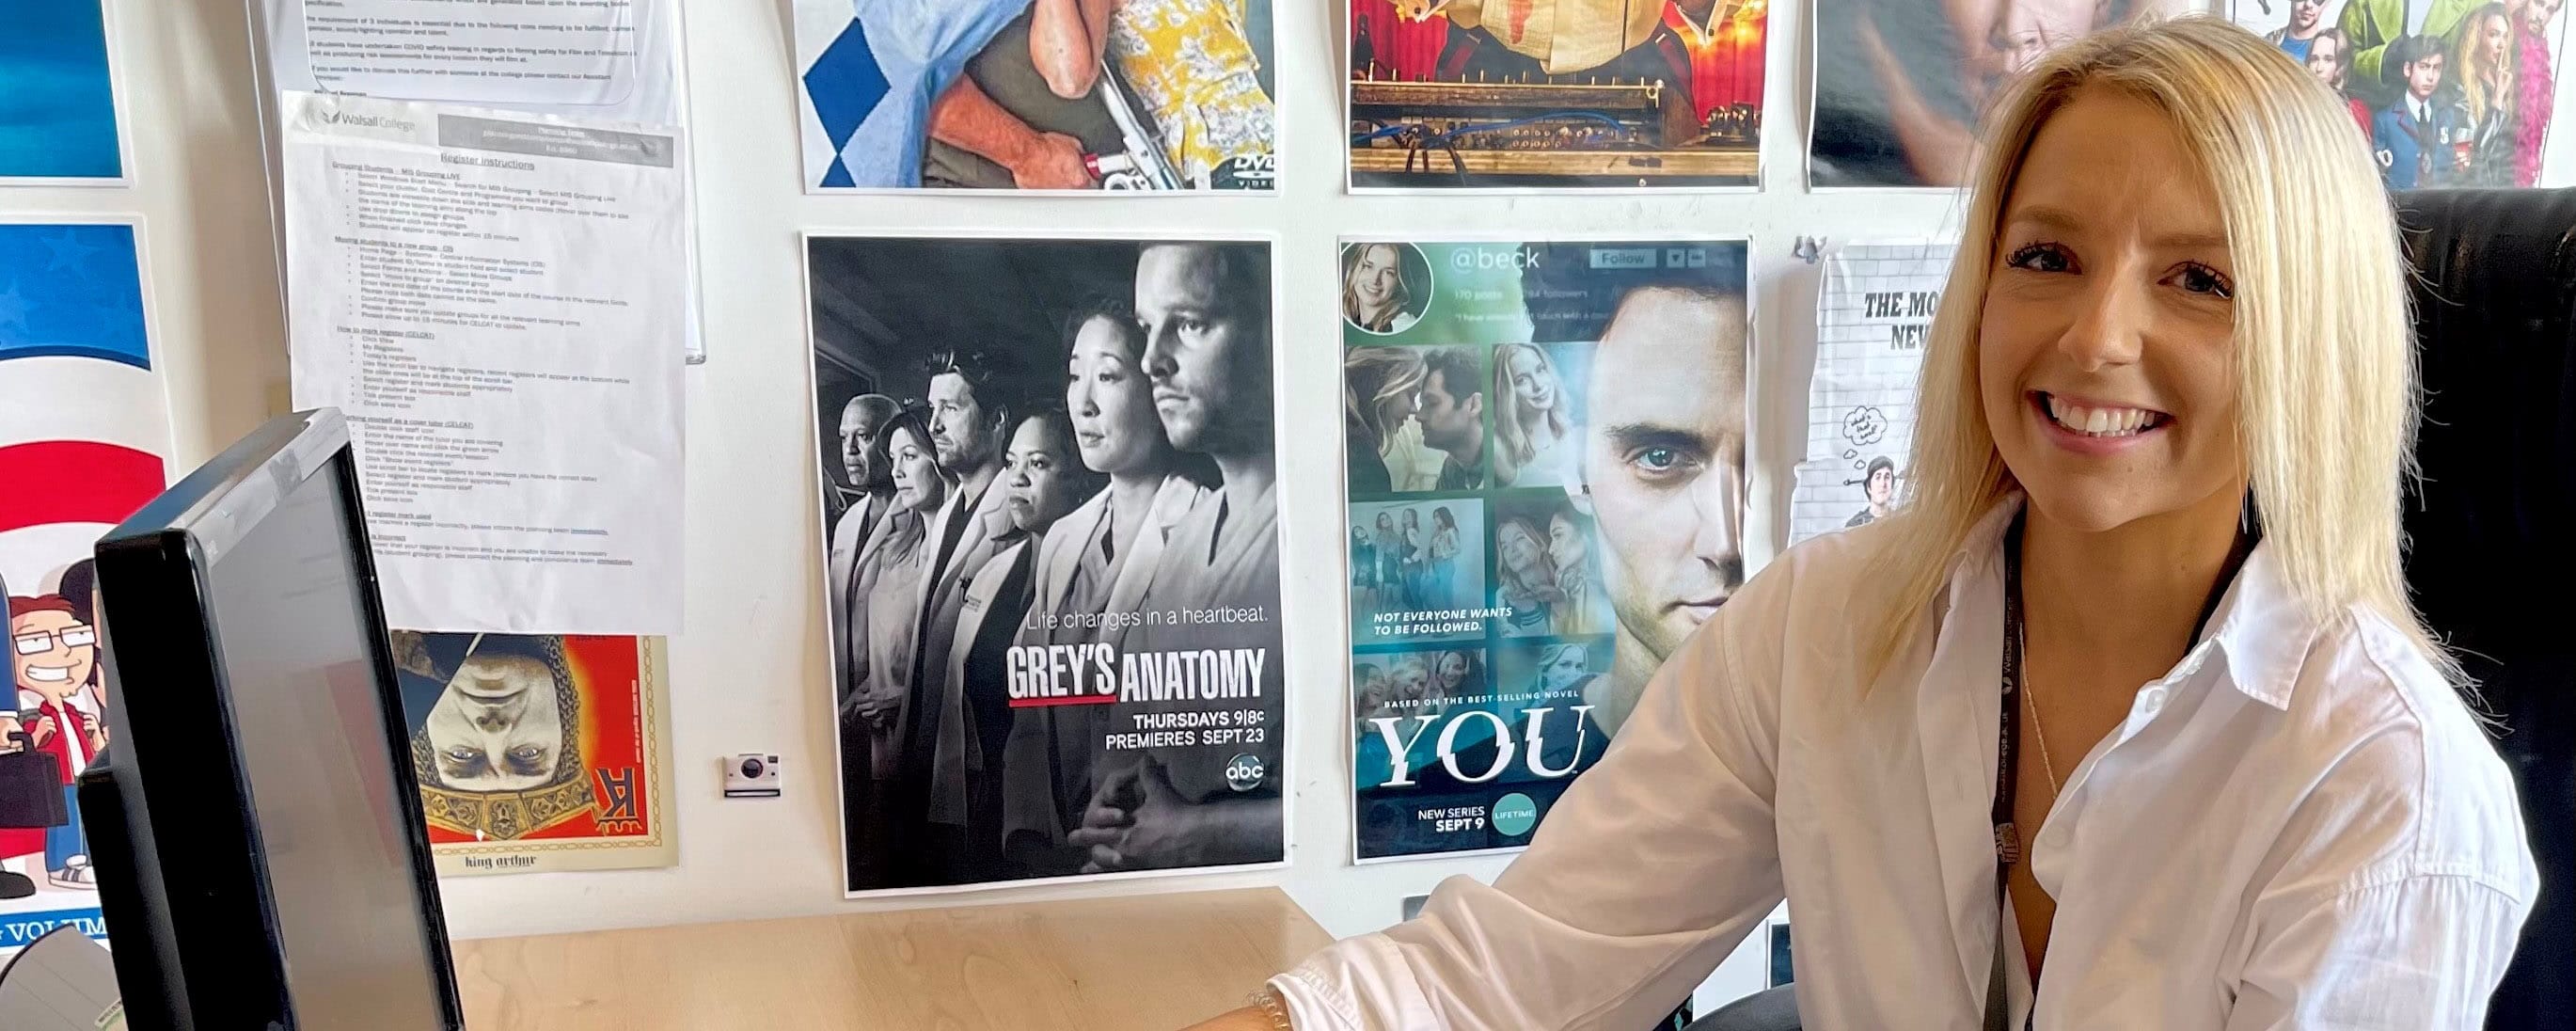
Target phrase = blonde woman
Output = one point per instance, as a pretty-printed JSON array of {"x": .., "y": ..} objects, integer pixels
[
  {"x": 2122, "y": 719},
  {"x": 2479, "y": 79},
  {"x": 1532, "y": 426},
  {"x": 1381, "y": 391},
  {"x": 1374, "y": 294}
]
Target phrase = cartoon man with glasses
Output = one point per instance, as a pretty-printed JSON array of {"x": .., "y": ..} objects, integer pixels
[{"x": 52, "y": 653}]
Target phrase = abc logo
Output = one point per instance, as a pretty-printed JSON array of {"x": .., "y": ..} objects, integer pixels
[
  {"x": 1245, "y": 772},
  {"x": 1478, "y": 258}
]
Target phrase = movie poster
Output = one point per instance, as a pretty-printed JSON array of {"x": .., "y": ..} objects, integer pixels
[
  {"x": 537, "y": 753},
  {"x": 1873, "y": 318},
  {"x": 1545, "y": 453},
  {"x": 1555, "y": 94},
  {"x": 84, "y": 429},
  {"x": 1050, "y": 512},
  {"x": 2448, "y": 92},
  {"x": 57, "y": 95},
  {"x": 1054, "y": 95},
  {"x": 1902, "y": 84}
]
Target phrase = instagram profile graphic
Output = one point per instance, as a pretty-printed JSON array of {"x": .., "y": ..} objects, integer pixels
[{"x": 1386, "y": 286}]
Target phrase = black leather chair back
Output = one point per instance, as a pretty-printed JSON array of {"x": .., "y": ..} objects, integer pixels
[{"x": 2493, "y": 533}]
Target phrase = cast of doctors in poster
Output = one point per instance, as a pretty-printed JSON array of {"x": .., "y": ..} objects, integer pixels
[{"x": 1072, "y": 488}]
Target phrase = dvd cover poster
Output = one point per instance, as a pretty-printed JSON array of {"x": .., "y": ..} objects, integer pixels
[
  {"x": 1056, "y": 95},
  {"x": 1556, "y": 94},
  {"x": 539, "y": 752},
  {"x": 1873, "y": 318},
  {"x": 1544, "y": 451},
  {"x": 1052, "y": 561}
]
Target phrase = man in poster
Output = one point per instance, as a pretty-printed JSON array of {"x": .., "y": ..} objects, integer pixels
[
  {"x": 1663, "y": 467},
  {"x": 1206, "y": 315},
  {"x": 1105, "y": 692}
]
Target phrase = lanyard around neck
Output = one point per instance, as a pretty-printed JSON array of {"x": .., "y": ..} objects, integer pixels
[{"x": 2008, "y": 843}]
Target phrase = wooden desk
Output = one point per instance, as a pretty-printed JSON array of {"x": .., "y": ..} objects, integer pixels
[{"x": 1149, "y": 962}]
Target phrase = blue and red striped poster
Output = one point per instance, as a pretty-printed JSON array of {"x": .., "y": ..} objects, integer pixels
[{"x": 84, "y": 432}]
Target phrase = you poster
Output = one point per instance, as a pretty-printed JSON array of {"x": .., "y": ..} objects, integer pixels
[
  {"x": 1545, "y": 456},
  {"x": 1051, "y": 523},
  {"x": 1873, "y": 318},
  {"x": 1556, "y": 94},
  {"x": 1901, "y": 85},
  {"x": 538, "y": 753},
  {"x": 1053, "y": 95},
  {"x": 84, "y": 433},
  {"x": 2447, "y": 92}
]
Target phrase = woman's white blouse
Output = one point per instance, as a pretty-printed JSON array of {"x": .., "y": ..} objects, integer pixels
[{"x": 2300, "y": 826}]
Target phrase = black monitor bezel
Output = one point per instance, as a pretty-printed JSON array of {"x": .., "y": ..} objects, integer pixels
[{"x": 218, "y": 909}]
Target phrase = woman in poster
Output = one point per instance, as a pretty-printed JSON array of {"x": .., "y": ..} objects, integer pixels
[
  {"x": 1532, "y": 427},
  {"x": 1528, "y": 582},
  {"x": 1188, "y": 62},
  {"x": 2274, "y": 808},
  {"x": 1582, "y": 609},
  {"x": 890, "y": 577},
  {"x": 1042, "y": 479},
  {"x": 1381, "y": 391},
  {"x": 2479, "y": 81},
  {"x": 1375, "y": 296},
  {"x": 1900, "y": 84},
  {"x": 1443, "y": 580},
  {"x": 1096, "y": 559}
]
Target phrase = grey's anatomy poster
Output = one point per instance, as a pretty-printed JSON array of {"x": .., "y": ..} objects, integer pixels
[
  {"x": 1052, "y": 555},
  {"x": 1545, "y": 450}
]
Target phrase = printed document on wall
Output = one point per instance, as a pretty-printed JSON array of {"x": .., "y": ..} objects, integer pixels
[
  {"x": 1872, "y": 321},
  {"x": 508, "y": 383},
  {"x": 597, "y": 58}
]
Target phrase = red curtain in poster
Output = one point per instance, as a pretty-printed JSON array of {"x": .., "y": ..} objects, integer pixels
[{"x": 1401, "y": 47}]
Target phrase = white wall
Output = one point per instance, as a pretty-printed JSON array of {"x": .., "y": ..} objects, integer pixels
[{"x": 749, "y": 674}]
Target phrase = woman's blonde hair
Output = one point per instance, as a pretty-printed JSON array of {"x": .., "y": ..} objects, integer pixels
[
  {"x": 2325, "y": 356},
  {"x": 1513, "y": 430}
]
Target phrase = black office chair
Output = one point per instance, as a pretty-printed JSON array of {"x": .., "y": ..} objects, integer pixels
[{"x": 2494, "y": 532}]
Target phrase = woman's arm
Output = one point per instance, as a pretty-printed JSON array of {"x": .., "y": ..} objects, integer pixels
[
  {"x": 1066, "y": 41},
  {"x": 1648, "y": 871}
]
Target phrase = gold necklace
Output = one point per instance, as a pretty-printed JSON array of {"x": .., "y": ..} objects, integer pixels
[{"x": 2037, "y": 730}]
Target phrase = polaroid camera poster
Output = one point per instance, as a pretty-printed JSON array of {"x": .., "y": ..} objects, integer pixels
[
  {"x": 1556, "y": 94},
  {"x": 2448, "y": 92},
  {"x": 1900, "y": 85},
  {"x": 1037, "y": 94},
  {"x": 1052, "y": 555},
  {"x": 1545, "y": 451},
  {"x": 537, "y": 753}
]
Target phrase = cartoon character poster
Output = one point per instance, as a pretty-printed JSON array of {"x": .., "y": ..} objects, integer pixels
[
  {"x": 538, "y": 752},
  {"x": 84, "y": 428}
]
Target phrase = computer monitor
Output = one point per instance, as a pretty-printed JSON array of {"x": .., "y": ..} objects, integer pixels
[{"x": 258, "y": 843}]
